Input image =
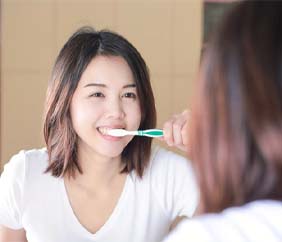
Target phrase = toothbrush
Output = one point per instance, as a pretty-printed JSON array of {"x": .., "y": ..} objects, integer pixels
[{"x": 122, "y": 132}]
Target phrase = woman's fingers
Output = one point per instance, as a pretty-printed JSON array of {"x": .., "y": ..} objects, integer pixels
[
  {"x": 168, "y": 132},
  {"x": 177, "y": 127},
  {"x": 175, "y": 130}
]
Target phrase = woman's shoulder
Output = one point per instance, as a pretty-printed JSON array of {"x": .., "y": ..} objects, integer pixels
[
  {"x": 17, "y": 183},
  {"x": 27, "y": 161},
  {"x": 37, "y": 156},
  {"x": 260, "y": 213},
  {"x": 253, "y": 215},
  {"x": 254, "y": 222},
  {"x": 163, "y": 160},
  {"x": 163, "y": 156}
]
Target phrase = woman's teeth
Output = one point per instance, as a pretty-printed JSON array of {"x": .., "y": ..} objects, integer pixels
[{"x": 103, "y": 130}]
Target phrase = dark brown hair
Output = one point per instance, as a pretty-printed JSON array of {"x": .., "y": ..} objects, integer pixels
[
  {"x": 73, "y": 59},
  {"x": 236, "y": 128}
]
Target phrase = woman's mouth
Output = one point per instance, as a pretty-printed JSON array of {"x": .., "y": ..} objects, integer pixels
[{"x": 103, "y": 130}]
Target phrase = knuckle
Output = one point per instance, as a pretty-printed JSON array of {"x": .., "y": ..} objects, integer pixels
[
  {"x": 167, "y": 124},
  {"x": 177, "y": 125}
]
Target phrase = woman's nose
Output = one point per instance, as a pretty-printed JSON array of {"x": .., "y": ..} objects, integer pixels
[{"x": 115, "y": 109}]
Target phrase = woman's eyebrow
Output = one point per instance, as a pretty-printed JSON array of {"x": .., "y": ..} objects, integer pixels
[
  {"x": 130, "y": 85},
  {"x": 95, "y": 85},
  {"x": 133, "y": 85}
]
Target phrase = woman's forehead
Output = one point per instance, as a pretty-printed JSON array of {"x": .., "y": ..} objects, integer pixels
[{"x": 108, "y": 70}]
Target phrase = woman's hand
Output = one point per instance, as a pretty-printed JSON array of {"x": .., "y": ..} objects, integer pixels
[
  {"x": 176, "y": 131},
  {"x": 9, "y": 235}
]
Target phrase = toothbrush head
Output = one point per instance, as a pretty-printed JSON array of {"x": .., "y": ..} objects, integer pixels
[{"x": 112, "y": 132}]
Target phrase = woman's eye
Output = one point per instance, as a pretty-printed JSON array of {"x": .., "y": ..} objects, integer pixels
[
  {"x": 97, "y": 94},
  {"x": 130, "y": 95}
]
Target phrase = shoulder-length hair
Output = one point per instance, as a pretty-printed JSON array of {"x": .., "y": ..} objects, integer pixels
[
  {"x": 76, "y": 54},
  {"x": 237, "y": 117}
]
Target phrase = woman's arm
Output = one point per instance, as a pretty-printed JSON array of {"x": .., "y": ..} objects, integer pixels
[{"x": 11, "y": 235}]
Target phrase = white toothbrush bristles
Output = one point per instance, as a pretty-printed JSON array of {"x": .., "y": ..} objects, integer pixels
[{"x": 113, "y": 132}]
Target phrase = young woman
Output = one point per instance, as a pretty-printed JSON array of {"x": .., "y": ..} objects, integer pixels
[
  {"x": 236, "y": 130},
  {"x": 87, "y": 185}
]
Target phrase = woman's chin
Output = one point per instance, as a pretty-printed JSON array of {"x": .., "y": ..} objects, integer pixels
[{"x": 111, "y": 152}]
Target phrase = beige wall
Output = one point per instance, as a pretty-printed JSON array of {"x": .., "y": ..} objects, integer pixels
[{"x": 166, "y": 32}]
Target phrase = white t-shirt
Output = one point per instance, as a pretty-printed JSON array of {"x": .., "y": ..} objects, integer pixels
[
  {"x": 259, "y": 221},
  {"x": 38, "y": 202}
]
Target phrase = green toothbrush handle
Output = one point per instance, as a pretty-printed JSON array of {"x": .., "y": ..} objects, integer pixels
[{"x": 151, "y": 133}]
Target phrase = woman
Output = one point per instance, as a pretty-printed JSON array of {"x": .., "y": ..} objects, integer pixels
[
  {"x": 87, "y": 185},
  {"x": 236, "y": 130}
]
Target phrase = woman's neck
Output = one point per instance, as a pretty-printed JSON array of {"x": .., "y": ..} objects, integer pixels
[{"x": 99, "y": 172}]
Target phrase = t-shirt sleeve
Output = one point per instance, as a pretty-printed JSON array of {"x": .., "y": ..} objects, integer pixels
[
  {"x": 11, "y": 192},
  {"x": 177, "y": 190}
]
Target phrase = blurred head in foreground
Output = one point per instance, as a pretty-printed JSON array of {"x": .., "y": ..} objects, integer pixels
[{"x": 236, "y": 129}]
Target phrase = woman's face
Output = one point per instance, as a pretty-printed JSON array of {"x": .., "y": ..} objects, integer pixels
[{"x": 106, "y": 96}]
